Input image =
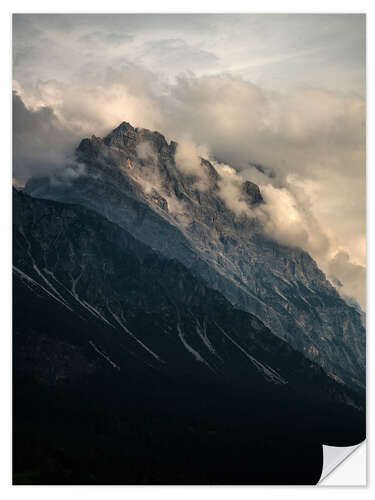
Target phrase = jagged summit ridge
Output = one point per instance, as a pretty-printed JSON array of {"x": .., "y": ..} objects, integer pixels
[
  {"x": 126, "y": 137},
  {"x": 134, "y": 148}
]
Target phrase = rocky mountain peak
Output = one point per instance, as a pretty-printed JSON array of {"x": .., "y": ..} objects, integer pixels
[
  {"x": 133, "y": 179},
  {"x": 89, "y": 147},
  {"x": 124, "y": 136},
  {"x": 143, "y": 157},
  {"x": 150, "y": 151}
]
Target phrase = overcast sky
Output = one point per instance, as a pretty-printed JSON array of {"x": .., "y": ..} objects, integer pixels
[{"x": 283, "y": 91}]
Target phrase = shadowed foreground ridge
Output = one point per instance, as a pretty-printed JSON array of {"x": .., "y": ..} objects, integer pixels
[{"x": 128, "y": 369}]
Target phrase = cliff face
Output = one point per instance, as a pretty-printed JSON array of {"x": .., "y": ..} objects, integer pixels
[
  {"x": 132, "y": 178},
  {"x": 129, "y": 369}
]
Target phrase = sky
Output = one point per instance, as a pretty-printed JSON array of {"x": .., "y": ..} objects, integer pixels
[{"x": 286, "y": 92}]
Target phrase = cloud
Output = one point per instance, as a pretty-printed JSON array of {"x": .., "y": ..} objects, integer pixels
[
  {"x": 146, "y": 152},
  {"x": 107, "y": 38},
  {"x": 230, "y": 183},
  {"x": 40, "y": 142},
  {"x": 283, "y": 221},
  {"x": 87, "y": 108},
  {"x": 274, "y": 51},
  {"x": 175, "y": 53},
  {"x": 300, "y": 133},
  {"x": 352, "y": 276},
  {"x": 188, "y": 160}
]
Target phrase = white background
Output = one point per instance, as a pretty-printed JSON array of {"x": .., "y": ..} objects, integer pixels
[{"x": 167, "y": 492}]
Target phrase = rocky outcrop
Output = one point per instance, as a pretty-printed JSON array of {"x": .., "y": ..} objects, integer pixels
[{"x": 251, "y": 193}]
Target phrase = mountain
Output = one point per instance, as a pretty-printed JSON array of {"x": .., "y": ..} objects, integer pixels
[
  {"x": 133, "y": 177},
  {"x": 129, "y": 369}
]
